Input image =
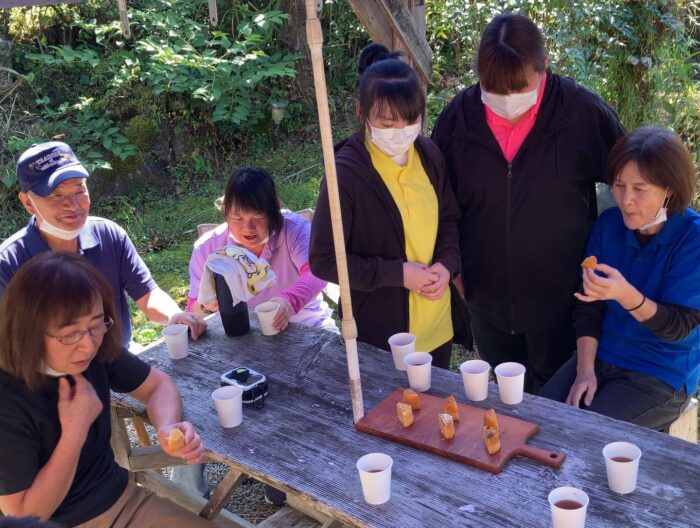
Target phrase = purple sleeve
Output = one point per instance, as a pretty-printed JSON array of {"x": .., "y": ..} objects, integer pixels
[{"x": 307, "y": 286}]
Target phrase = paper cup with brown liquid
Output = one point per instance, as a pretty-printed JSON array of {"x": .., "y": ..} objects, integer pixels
[
  {"x": 568, "y": 506},
  {"x": 622, "y": 466},
  {"x": 375, "y": 477}
]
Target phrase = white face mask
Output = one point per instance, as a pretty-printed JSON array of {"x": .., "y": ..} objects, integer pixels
[
  {"x": 51, "y": 372},
  {"x": 660, "y": 217},
  {"x": 52, "y": 230},
  {"x": 512, "y": 105},
  {"x": 394, "y": 142}
]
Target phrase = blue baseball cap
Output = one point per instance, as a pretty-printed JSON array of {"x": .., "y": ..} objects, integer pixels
[{"x": 42, "y": 167}]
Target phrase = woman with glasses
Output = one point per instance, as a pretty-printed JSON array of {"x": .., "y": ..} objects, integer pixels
[
  {"x": 254, "y": 221},
  {"x": 60, "y": 355}
]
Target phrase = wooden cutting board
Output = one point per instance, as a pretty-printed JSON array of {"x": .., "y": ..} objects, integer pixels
[{"x": 467, "y": 446}]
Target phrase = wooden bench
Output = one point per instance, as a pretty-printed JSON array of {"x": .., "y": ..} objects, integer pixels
[{"x": 686, "y": 426}]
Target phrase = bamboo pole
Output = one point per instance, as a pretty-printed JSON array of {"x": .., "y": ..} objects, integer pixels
[
  {"x": 314, "y": 36},
  {"x": 124, "y": 18},
  {"x": 213, "y": 13}
]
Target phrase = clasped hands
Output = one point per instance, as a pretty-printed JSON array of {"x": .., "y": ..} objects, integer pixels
[{"x": 428, "y": 281}]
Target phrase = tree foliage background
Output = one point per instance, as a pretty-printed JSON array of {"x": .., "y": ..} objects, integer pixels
[{"x": 180, "y": 98}]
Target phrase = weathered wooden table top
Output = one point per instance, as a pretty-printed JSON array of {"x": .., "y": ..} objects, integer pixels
[{"x": 304, "y": 440}]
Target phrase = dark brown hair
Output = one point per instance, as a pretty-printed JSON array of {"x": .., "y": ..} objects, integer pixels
[
  {"x": 661, "y": 158},
  {"x": 55, "y": 287},
  {"x": 510, "y": 48},
  {"x": 389, "y": 85},
  {"x": 253, "y": 189}
]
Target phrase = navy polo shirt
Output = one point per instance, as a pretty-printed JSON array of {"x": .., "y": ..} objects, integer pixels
[
  {"x": 103, "y": 243},
  {"x": 666, "y": 270}
]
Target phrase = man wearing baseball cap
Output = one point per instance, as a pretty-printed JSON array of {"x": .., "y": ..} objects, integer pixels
[{"x": 54, "y": 191}]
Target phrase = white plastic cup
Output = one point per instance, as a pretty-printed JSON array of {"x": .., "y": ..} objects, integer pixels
[
  {"x": 475, "y": 376},
  {"x": 266, "y": 314},
  {"x": 401, "y": 345},
  {"x": 175, "y": 336},
  {"x": 375, "y": 477},
  {"x": 419, "y": 370},
  {"x": 560, "y": 503},
  {"x": 622, "y": 466},
  {"x": 511, "y": 379},
  {"x": 229, "y": 405}
]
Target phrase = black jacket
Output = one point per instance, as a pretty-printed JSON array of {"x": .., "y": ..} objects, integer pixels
[
  {"x": 374, "y": 237},
  {"x": 524, "y": 225}
]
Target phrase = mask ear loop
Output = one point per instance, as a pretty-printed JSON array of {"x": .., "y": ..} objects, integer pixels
[{"x": 667, "y": 199}]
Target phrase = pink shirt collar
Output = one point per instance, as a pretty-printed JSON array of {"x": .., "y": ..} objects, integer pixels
[{"x": 510, "y": 136}]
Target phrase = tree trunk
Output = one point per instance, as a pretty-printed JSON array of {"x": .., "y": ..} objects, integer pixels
[{"x": 293, "y": 35}]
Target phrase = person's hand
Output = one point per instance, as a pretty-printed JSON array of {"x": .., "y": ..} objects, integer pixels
[
  {"x": 192, "y": 451},
  {"x": 282, "y": 316},
  {"x": 586, "y": 385},
  {"x": 416, "y": 276},
  {"x": 613, "y": 287},
  {"x": 78, "y": 407},
  {"x": 435, "y": 290},
  {"x": 212, "y": 306},
  {"x": 194, "y": 322}
]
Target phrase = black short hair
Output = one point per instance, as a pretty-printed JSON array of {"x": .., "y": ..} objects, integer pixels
[
  {"x": 511, "y": 46},
  {"x": 389, "y": 84},
  {"x": 372, "y": 53},
  {"x": 253, "y": 189}
]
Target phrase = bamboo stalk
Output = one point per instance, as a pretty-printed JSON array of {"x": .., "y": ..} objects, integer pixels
[
  {"x": 314, "y": 36},
  {"x": 124, "y": 17},
  {"x": 213, "y": 13}
]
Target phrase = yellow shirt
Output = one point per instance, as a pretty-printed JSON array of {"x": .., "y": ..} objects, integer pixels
[{"x": 414, "y": 195}]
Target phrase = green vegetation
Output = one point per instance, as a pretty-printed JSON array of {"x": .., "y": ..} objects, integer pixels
[{"x": 163, "y": 118}]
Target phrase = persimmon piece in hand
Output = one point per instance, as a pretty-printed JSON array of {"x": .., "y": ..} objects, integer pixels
[
  {"x": 176, "y": 440},
  {"x": 589, "y": 262}
]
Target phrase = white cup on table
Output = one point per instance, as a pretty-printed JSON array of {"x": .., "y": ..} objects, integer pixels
[
  {"x": 622, "y": 466},
  {"x": 375, "y": 477},
  {"x": 401, "y": 345},
  {"x": 419, "y": 370},
  {"x": 266, "y": 314},
  {"x": 511, "y": 380},
  {"x": 475, "y": 376},
  {"x": 568, "y": 506},
  {"x": 175, "y": 336},
  {"x": 229, "y": 405}
]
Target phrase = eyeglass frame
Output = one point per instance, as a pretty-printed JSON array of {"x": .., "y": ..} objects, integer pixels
[{"x": 107, "y": 325}]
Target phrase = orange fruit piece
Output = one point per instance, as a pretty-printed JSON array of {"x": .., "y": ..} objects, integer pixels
[
  {"x": 176, "y": 440},
  {"x": 451, "y": 408},
  {"x": 404, "y": 413},
  {"x": 589, "y": 262},
  {"x": 412, "y": 398},
  {"x": 447, "y": 426}
]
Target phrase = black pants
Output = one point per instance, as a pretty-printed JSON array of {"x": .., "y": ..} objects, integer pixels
[
  {"x": 442, "y": 355},
  {"x": 623, "y": 394},
  {"x": 542, "y": 351}
]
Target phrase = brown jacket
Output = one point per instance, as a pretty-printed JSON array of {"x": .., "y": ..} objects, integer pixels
[{"x": 374, "y": 237}]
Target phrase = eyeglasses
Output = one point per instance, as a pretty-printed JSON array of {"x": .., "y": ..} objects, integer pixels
[{"x": 74, "y": 337}]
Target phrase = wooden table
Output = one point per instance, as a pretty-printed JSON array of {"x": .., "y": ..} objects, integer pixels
[{"x": 303, "y": 441}]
